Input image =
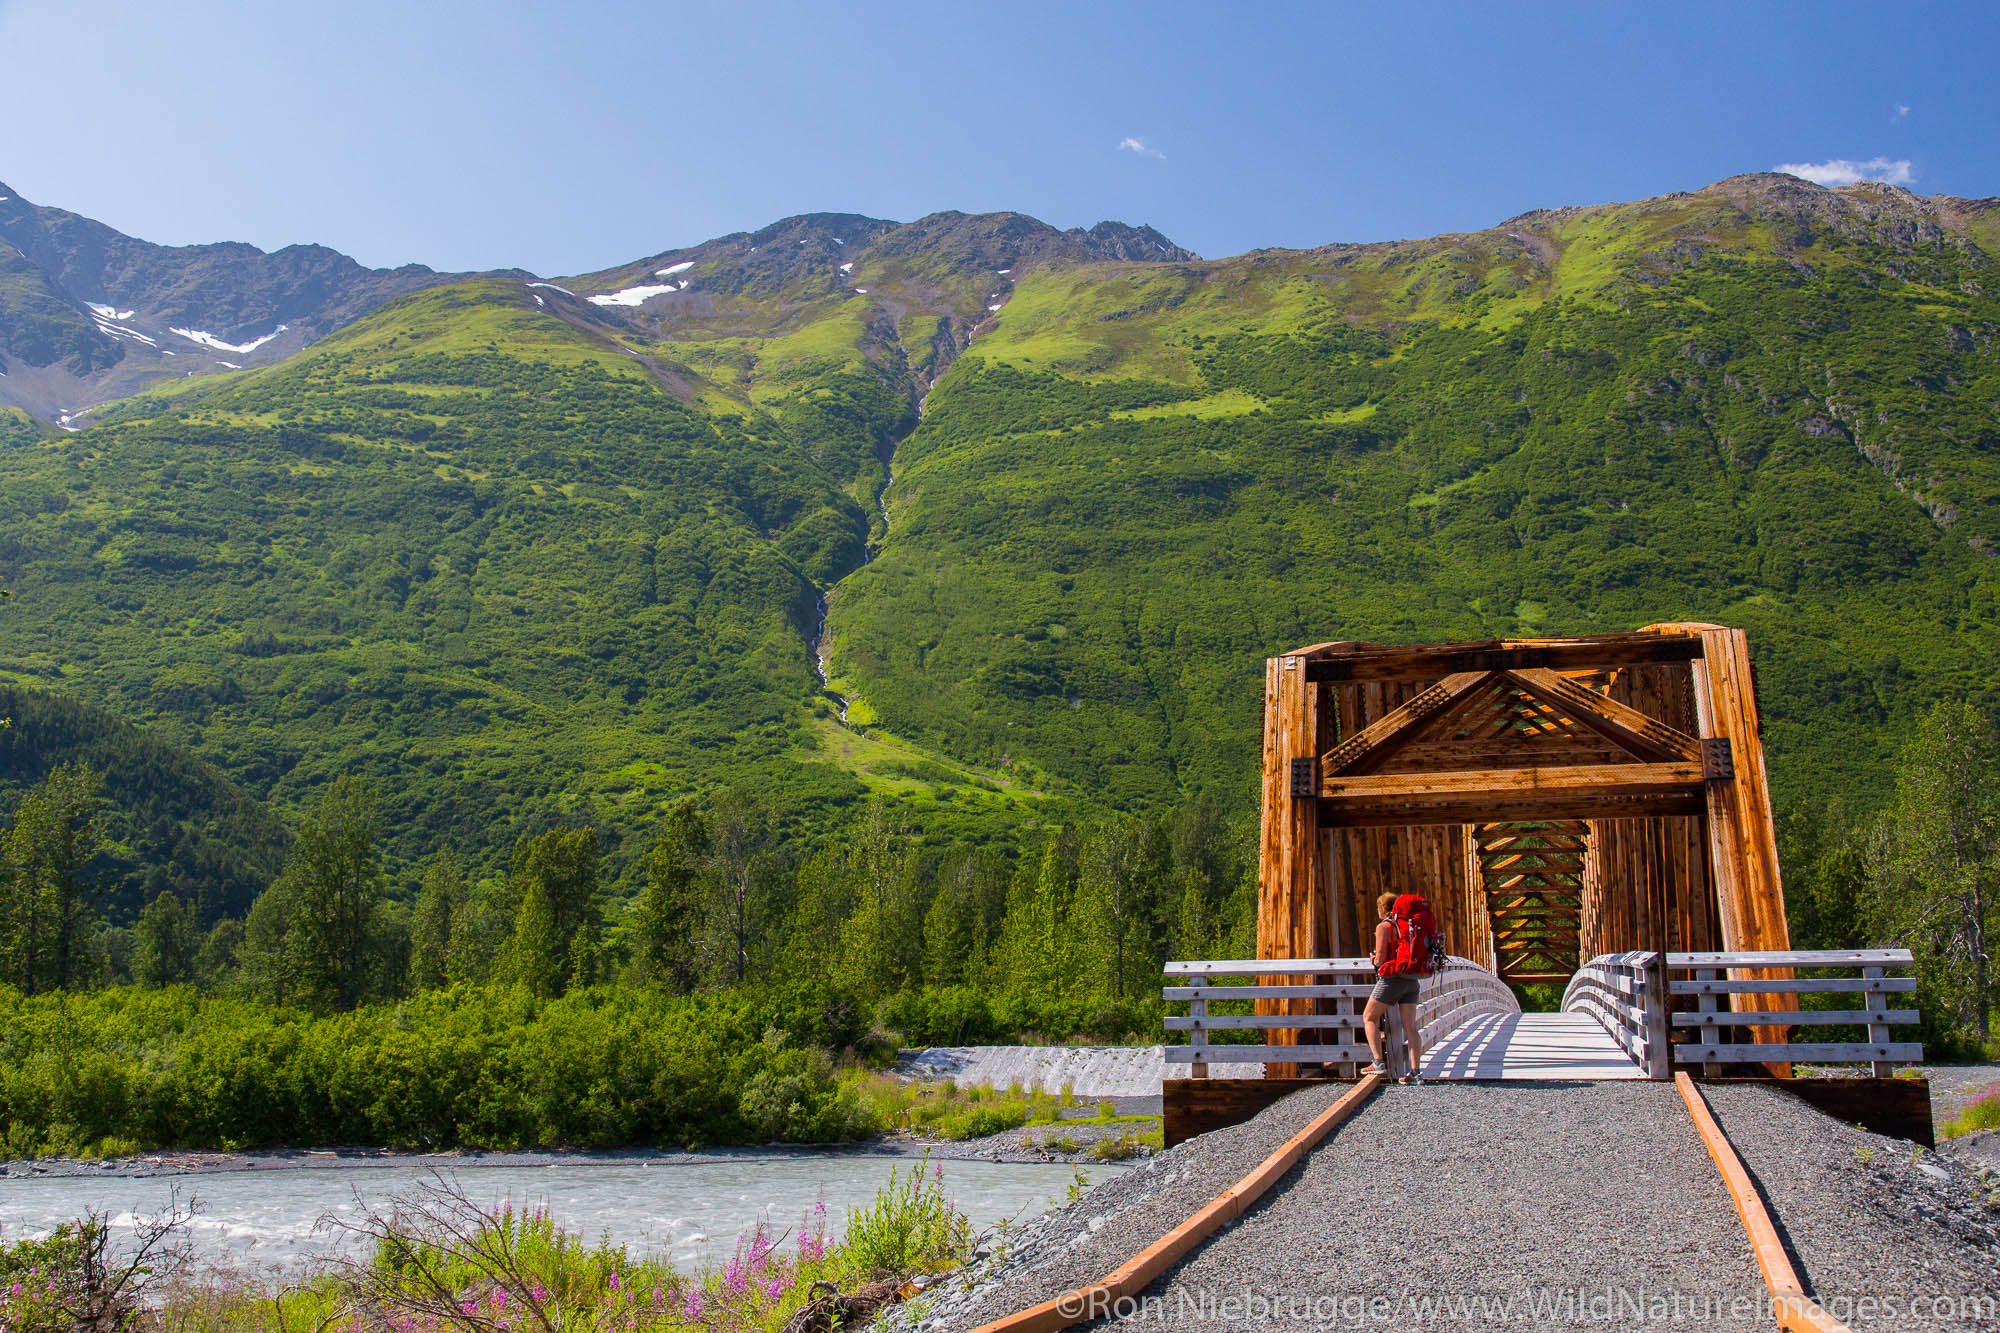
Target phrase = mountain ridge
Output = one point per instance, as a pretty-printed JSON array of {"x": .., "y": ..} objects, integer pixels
[{"x": 520, "y": 555}]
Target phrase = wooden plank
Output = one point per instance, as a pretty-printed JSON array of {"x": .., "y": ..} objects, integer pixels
[
  {"x": 1432, "y": 661},
  {"x": 1299, "y": 1052},
  {"x": 1191, "y": 1106},
  {"x": 1902, "y": 1052},
  {"x": 1291, "y": 907},
  {"x": 1796, "y": 985},
  {"x": 1266, "y": 967},
  {"x": 1797, "y": 1018},
  {"x": 1624, "y": 790},
  {"x": 1542, "y": 806},
  {"x": 1794, "y": 1309},
  {"x": 1386, "y": 735},
  {"x": 1213, "y": 994},
  {"x": 1791, "y": 958},
  {"x": 1243, "y": 1022},
  {"x": 1502, "y": 784},
  {"x": 1623, "y": 726},
  {"x": 1743, "y": 846},
  {"x": 1897, "y": 1107}
]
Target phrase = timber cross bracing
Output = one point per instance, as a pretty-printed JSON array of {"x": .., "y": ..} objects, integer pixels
[{"x": 1556, "y": 799}]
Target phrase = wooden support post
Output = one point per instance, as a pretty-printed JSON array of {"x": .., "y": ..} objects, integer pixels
[
  {"x": 1743, "y": 842},
  {"x": 1290, "y": 895},
  {"x": 1198, "y": 1037},
  {"x": 1878, "y": 1033},
  {"x": 1653, "y": 990},
  {"x": 1706, "y": 1003}
]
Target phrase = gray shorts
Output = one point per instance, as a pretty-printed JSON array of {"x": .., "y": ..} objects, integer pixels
[{"x": 1396, "y": 990}]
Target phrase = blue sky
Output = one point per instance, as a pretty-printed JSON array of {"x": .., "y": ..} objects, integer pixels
[{"x": 568, "y": 137}]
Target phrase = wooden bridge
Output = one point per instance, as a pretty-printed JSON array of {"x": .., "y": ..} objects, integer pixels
[{"x": 1585, "y": 812}]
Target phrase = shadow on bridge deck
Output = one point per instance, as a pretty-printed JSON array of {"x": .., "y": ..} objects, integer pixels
[{"x": 1529, "y": 1046}]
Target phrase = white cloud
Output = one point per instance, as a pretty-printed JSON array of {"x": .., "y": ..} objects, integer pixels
[
  {"x": 1131, "y": 145},
  {"x": 1901, "y": 111},
  {"x": 1843, "y": 171}
]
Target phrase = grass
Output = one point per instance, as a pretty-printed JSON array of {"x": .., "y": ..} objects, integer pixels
[
  {"x": 1228, "y": 403},
  {"x": 944, "y": 1110},
  {"x": 1982, "y": 1112},
  {"x": 891, "y": 766}
]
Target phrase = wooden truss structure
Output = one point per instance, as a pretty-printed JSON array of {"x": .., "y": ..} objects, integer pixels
[{"x": 1554, "y": 798}]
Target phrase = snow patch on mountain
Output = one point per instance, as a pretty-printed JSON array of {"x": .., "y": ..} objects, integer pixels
[
  {"x": 633, "y": 296},
  {"x": 209, "y": 340},
  {"x": 109, "y": 311},
  {"x": 672, "y": 269}
]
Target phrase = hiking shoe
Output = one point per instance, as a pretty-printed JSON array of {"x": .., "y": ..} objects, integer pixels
[
  {"x": 1376, "y": 1067},
  {"x": 1412, "y": 1080}
]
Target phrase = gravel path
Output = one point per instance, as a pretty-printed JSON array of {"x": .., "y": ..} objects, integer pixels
[
  {"x": 1485, "y": 1206},
  {"x": 1427, "y": 1193},
  {"x": 1888, "y": 1238}
]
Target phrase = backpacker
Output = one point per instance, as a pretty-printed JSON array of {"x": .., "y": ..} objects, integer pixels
[{"x": 1419, "y": 947}]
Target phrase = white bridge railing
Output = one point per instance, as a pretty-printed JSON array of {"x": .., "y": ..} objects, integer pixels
[
  {"x": 1445, "y": 1000},
  {"x": 1708, "y": 983},
  {"x": 1624, "y": 993},
  {"x": 1640, "y": 997}
]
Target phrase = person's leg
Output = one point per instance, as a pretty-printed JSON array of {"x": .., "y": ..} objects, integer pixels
[
  {"x": 1414, "y": 1037},
  {"x": 1371, "y": 1019}
]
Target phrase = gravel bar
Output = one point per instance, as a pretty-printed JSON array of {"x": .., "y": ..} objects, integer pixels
[
  {"x": 1884, "y": 1234},
  {"x": 1112, "y": 1221}
]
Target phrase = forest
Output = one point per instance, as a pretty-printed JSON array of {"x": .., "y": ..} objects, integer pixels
[{"x": 744, "y": 990}]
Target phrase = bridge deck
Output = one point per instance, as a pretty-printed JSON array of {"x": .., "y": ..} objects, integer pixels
[{"x": 1529, "y": 1046}]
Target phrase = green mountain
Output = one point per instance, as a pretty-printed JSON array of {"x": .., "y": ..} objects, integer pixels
[
  {"x": 170, "y": 821},
  {"x": 89, "y": 314},
  {"x": 526, "y": 551}
]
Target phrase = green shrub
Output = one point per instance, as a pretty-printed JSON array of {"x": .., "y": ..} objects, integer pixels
[
  {"x": 1982, "y": 1112},
  {"x": 912, "y": 1226}
]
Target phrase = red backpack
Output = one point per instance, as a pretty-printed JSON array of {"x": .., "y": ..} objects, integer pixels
[{"x": 1419, "y": 948}]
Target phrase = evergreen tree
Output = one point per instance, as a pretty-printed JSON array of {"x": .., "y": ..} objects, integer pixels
[
  {"x": 948, "y": 929},
  {"x": 559, "y": 917},
  {"x": 215, "y": 965},
  {"x": 267, "y": 966},
  {"x": 163, "y": 944},
  {"x": 822, "y": 900},
  {"x": 336, "y": 886},
  {"x": 666, "y": 921},
  {"x": 439, "y": 904},
  {"x": 480, "y": 931},
  {"x": 1939, "y": 892},
  {"x": 1194, "y": 933},
  {"x": 741, "y": 842},
  {"x": 49, "y": 900},
  {"x": 1114, "y": 870}
]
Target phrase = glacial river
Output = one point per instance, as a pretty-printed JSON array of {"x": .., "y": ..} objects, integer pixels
[{"x": 692, "y": 1210}]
